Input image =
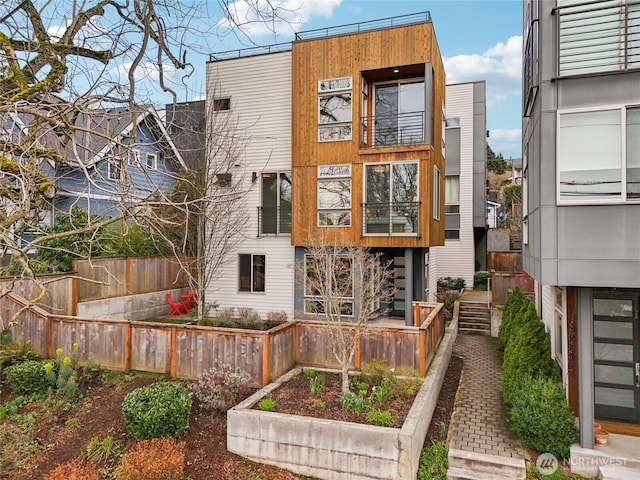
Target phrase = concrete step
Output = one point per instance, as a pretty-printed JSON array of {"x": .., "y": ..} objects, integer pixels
[
  {"x": 618, "y": 473},
  {"x": 474, "y": 326},
  {"x": 474, "y": 331},
  {"x": 474, "y": 319},
  {"x": 480, "y": 466}
]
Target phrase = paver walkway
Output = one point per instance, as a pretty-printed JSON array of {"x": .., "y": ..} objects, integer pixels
[{"x": 479, "y": 422}]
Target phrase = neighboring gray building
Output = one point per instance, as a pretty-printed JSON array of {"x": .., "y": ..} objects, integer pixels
[{"x": 581, "y": 199}]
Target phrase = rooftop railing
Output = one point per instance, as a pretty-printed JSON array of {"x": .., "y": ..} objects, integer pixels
[{"x": 403, "y": 20}]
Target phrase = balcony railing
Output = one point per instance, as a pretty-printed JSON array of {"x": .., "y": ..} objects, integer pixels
[
  {"x": 390, "y": 218},
  {"x": 393, "y": 130},
  {"x": 598, "y": 36},
  {"x": 274, "y": 220}
]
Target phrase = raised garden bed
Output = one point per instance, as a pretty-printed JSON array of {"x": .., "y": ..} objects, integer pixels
[{"x": 331, "y": 449}]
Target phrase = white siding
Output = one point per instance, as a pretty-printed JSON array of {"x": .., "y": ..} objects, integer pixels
[
  {"x": 457, "y": 257},
  {"x": 260, "y": 91}
]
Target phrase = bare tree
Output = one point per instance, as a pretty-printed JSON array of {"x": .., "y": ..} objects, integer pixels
[
  {"x": 346, "y": 286},
  {"x": 59, "y": 61}
]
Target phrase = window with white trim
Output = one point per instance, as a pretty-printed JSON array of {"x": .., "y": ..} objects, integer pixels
[
  {"x": 328, "y": 285},
  {"x": 252, "y": 270},
  {"x": 452, "y": 207},
  {"x": 334, "y": 109},
  {"x": 114, "y": 168},
  {"x": 607, "y": 167},
  {"x": 151, "y": 161},
  {"x": 334, "y": 195}
]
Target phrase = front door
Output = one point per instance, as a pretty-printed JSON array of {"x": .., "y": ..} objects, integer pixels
[{"x": 616, "y": 355}]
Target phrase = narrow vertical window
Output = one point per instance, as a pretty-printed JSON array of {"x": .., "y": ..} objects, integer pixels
[{"x": 252, "y": 269}]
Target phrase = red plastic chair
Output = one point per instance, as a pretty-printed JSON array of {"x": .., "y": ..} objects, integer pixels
[{"x": 175, "y": 308}]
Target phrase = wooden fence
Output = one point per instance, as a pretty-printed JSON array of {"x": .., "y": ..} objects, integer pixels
[
  {"x": 502, "y": 283},
  {"x": 101, "y": 278},
  {"x": 185, "y": 351},
  {"x": 58, "y": 298},
  {"x": 504, "y": 261}
]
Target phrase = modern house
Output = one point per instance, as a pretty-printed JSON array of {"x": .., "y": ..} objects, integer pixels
[
  {"x": 127, "y": 157},
  {"x": 465, "y": 246},
  {"x": 581, "y": 200},
  {"x": 350, "y": 149}
]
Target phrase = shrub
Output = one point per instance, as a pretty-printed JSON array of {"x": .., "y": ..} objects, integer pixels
[
  {"x": 12, "y": 353},
  {"x": 220, "y": 388},
  {"x": 433, "y": 462},
  {"x": 510, "y": 310},
  {"x": 245, "y": 312},
  {"x": 528, "y": 352},
  {"x": 74, "y": 470},
  {"x": 156, "y": 459},
  {"x": 277, "y": 317},
  {"x": 541, "y": 416},
  {"x": 103, "y": 451},
  {"x": 449, "y": 283},
  {"x": 376, "y": 371},
  {"x": 267, "y": 404},
  {"x": 28, "y": 378},
  {"x": 158, "y": 410},
  {"x": 222, "y": 322},
  {"x": 448, "y": 298},
  {"x": 480, "y": 280},
  {"x": 227, "y": 312}
]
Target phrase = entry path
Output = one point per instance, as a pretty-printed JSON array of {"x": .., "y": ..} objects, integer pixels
[{"x": 480, "y": 438}]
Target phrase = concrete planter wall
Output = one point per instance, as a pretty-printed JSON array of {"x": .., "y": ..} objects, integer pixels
[{"x": 335, "y": 450}]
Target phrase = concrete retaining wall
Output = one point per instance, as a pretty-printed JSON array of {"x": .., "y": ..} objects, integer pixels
[
  {"x": 131, "y": 307},
  {"x": 333, "y": 450}
]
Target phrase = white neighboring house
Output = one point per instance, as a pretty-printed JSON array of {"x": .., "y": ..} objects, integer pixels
[
  {"x": 256, "y": 90},
  {"x": 464, "y": 251}
]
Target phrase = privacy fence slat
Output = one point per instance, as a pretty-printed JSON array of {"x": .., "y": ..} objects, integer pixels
[{"x": 187, "y": 350}]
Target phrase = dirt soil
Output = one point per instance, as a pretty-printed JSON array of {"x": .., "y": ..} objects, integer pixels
[{"x": 64, "y": 435}]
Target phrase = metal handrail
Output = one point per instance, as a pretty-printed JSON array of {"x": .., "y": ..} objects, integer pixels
[{"x": 393, "y": 130}]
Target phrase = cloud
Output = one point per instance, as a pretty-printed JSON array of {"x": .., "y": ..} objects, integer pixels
[
  {"x": 275, "y": 17},
  {"x": 507, "y": 142},
  {"x": 500, "y": 66}
]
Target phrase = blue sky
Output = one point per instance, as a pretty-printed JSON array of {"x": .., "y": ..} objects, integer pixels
[{"x": 478, "y": 39}]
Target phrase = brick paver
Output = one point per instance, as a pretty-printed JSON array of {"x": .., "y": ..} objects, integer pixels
[{"x": 479, "y": 422}]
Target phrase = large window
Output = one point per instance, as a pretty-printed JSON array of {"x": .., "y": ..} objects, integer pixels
[
  {"x": 452, "y": 207},
  {"x": 334, "y": 195},
  {"x": 391, "y": 194},
  {"x": 275, "y": 212},
  {"x": 399, "y": 113},
  {"x": 328, "y": 285},
  {"x": 607, "y": 167},
  {"x": 252, "y": 272},
  {"x": 114, "y": 168},
  {"x": 334, "y": 109}
]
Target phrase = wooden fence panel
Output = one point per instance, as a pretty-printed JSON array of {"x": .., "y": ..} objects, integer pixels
[
  {"x": 398, "y": 347},
  {"x": 281, "y": 350},
  {"x": 504, "y": 261},
  {"x": 314, "y": 347},
  {"x": 200, "y": 348},
  {"x": 148, "y": 274},
  {"x": 502, "y": 283},
  {"x": 57, "y": 298},
  {"x": 29, "y": 326},
  {"x": 150, "y": 348},
  {"x": 99, "y": 340},
  {"x": 109, "y": 275}
]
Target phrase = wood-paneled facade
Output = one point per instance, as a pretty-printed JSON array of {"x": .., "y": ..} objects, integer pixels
[{"x": 381, "y": 57}]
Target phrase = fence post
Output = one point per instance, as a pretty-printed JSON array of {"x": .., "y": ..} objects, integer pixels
[
  {"x": 266, "y": 358},
  {"x": 127, "y": 276},
  {"x": 356, "y": 354},
  {"x": 296, "y": 342},
  {"x": 127, "y": 347},
  {"x": 173, "y": 355},
  {"x": 73, "y": 297},
  {"x": 422, "y": 338}
]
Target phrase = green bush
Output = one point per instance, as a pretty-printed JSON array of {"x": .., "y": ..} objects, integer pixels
[
  {"x": 449, "y": 283},
  {"x": 28, "y": 378},
  {"x": 433, "y": 462},
  {"x": 541, "y": 416},
  {"x": 528, "y": 352},
  {"x": 158, "y": 410},
  {"x": 480, "y": 280},
  {"x": 12, "y": 353},
  {"x": 510, "y": 309}
]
